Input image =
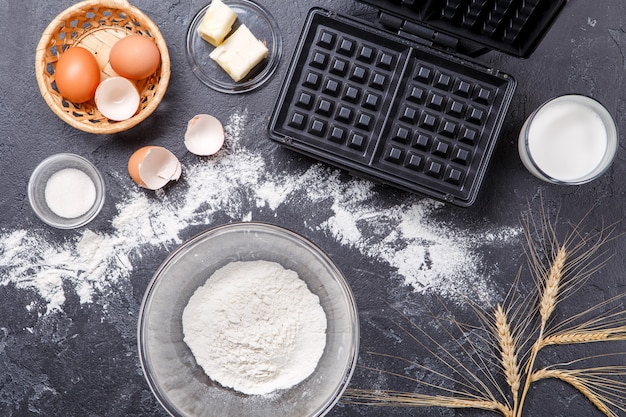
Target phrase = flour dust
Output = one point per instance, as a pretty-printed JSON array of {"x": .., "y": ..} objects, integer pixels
[{"x": 427, "y": 254}]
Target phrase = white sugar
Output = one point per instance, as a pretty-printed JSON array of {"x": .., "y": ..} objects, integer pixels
[{"x": 70, "y": 193}]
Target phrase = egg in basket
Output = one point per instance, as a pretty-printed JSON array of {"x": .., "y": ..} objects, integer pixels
[{"x": 97, "y": 27}]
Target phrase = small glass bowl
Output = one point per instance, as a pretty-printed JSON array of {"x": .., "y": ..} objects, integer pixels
[
  {"x": 575, "y": 161},
  {"x": 37, "y": 186},
  {"x": 180, "y": 384},
  {"x": 262, "y": 25}
]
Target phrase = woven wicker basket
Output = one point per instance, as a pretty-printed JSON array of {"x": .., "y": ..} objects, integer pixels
[{"x": 96, "y": 25}]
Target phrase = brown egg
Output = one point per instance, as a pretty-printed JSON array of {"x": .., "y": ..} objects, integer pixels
[
  {"x": 153, "y": 167},
  {"x": 135, "y": 57},
  {"x": 77, "y": 74}
]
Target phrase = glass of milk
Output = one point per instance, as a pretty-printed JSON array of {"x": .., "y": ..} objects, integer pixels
[{"x": 571, "y": 139}]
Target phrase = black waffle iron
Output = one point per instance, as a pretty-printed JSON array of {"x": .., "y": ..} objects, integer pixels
[{"x": 402, "y": 102}]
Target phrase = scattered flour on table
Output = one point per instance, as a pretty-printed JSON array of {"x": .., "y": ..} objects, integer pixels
[
  {"x": 255, "y": 327},
  {"x": 426, "y": 253}
]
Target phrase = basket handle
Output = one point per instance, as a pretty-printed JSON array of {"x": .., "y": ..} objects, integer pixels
[
  {"x": 117, "y": 4},
  {"x": 114, "y": 4}
]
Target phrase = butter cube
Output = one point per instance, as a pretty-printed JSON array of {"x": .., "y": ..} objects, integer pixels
[
  {"x": 217, "y": 22},
  {"x": 239, "y": 53}
]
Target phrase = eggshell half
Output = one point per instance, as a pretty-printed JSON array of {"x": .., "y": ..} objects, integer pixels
[
  {"x": 152, "y": 167},
  {"x": 117, "y": 98},
  {"x": 204, "y": 135}
]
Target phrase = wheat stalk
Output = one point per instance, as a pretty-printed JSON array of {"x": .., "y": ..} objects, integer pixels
[
  {"x": 580, "y": 384},
  {"x": 547, "y": 303},
  {"x": 518, "y": 329},
  {"x": 390, "y": 398},
  {"x": 606, "y": 327}
]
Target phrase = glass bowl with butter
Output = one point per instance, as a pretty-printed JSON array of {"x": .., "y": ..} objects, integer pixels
[
  {"x": 233, "y": 46},
  {"x": 172, "y": 369}
]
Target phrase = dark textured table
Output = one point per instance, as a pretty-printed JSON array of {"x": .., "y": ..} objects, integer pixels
[{"x": 69, "y": 300}]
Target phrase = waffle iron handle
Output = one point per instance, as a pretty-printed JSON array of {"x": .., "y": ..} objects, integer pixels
[{"x": 427, "y": 36}]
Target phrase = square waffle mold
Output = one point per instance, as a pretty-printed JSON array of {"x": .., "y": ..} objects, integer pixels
[
  {"x": 512, "y": 26},
  {"x": 389, "y": 109}
]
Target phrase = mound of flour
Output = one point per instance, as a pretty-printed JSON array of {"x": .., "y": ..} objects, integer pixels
[{"x": 255, "y": 327}]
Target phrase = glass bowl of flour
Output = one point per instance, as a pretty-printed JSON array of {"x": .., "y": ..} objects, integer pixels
[{"x": 248, "y": 319}]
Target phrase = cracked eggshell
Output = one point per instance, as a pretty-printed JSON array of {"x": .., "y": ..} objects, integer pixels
[
  {"x": 204, "y": 135},
  {"x": 117, "y": 98},
  {"x": 152, "y": 167}
]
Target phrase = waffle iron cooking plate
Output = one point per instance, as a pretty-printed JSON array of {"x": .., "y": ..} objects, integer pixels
[{"x": 391, "y": 107}]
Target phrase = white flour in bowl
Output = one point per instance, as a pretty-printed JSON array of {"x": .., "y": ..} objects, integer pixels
[{"x": 255, "y": 327}]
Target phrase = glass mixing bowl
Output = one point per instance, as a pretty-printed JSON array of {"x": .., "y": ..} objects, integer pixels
[{"x": 181, "y": 386}]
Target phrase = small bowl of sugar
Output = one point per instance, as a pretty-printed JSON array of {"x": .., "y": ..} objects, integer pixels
[{"x": 66, "y": 191}]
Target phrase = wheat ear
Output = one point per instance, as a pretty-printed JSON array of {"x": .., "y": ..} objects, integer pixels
[
  {"x": 407, "y": 399},
  {"x": 549, "y": 296},
  {"x": 567, "y": 338},
  {"x": 508, "y": 352},
  {"x": 570, "y": 377}
]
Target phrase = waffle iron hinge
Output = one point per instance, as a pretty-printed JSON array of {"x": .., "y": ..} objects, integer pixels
[{"x": 417, "y": 32}]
